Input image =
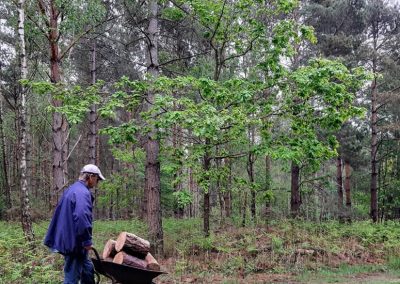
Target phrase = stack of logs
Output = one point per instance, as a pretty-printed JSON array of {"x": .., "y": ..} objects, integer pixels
[{"x": 131, "y": 250}]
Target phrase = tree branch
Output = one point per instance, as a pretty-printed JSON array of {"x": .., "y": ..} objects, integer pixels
[{"x": 83, "y": 34}]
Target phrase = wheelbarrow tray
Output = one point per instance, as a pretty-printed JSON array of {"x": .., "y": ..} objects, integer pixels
[{"x": 125, "y": 274}]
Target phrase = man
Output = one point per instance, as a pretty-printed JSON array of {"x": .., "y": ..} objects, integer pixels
[{"x": 70, "y": 230}]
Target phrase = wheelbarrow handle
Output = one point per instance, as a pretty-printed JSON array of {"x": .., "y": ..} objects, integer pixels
[
  {"x": 98, "y": 258},
  {"x": 96, "y": 253}
]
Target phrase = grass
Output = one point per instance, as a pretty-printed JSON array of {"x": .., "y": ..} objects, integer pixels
[
  {"x": 350, "y": 273},
  {"x": 285, "y": 251}
]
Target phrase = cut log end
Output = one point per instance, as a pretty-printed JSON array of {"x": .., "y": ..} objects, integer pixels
[
  {"x": 109, "y": 249},
  {"x": 119, "y": 258},
  {"x": 152, "y": 263},
  {"x": 120, "y": 241}
]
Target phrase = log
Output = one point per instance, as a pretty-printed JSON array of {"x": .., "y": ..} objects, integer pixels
[
  {"x": 127, "y": 259},
  {"x": 132, "y": 244},
  {"x": 109, "y": 249},
  {"x": 152, "y": 263},
  {"x": 109, "y": 259}
]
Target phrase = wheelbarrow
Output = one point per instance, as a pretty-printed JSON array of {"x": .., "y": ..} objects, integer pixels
[{"x": 123, "y": 274}]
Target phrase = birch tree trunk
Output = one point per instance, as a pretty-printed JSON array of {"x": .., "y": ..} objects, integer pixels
[
  {"x": 152, "y": 145},
  {"x": 25, "y": 210}
]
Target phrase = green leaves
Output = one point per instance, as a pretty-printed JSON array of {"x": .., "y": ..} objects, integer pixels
[
  {"x": 78, "y": 14},
  {"x": 318, "y": 100},
  {"x": 121, "y": 134},
  {"x": 76, "y": 100},
  {"x": 173, "y": 14},
  {"x": 183, "y": 198}
]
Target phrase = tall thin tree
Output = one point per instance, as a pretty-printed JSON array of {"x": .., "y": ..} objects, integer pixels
[
  {"x": 152, "y": 145},
  {"x": 25, "y": 210}
]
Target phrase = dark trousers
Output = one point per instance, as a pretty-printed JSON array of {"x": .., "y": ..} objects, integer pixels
[{"x": 78, "y": 267}]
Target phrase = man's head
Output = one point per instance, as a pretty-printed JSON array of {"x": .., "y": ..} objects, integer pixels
[{"x": 91, "y": 174}]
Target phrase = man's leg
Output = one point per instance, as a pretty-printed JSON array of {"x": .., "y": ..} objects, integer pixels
[
  {"x": 87, "y": 275},
  {"x": 72, "y": 269}
]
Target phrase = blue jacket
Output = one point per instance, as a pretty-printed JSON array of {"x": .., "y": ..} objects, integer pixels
[{"x": 70, "y": 229}]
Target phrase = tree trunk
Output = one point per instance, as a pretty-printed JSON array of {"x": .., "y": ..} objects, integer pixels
[
  {"x": 228, "y": 192},
  {"x": 194, "y": 189},
  {"x": 374, "y": 150},
  {"x": 25, "y": 211},
  {"x": 244, "y": 208},
  {"x": 59, "y": 123},
  {"x": 347, "y": 187},
  {"x": 93, "y": 126},
  {"x": 152, "y": 145},
  {"x": 206, "y": 209},
  {"x": 268, "y": 184},
  {"x": 6, "y": 183},
  {"x": 295, "y": 199},
  {"x": 339, "y": 186},
  {"x": 93, "y": 159},
  {"x": 250, "y": 172},
  {"x": 176, "y": 144}
]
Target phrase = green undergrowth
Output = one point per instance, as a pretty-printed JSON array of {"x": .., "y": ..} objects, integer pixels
[
  {"x": 295, "y": 249},
  {"x": 345, "y": 273}
]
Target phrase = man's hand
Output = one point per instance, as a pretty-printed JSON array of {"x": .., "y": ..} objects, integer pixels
[{"x": 88, "y": 247}]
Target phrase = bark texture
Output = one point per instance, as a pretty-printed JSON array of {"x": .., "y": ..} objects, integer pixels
[
  {"x": 339, "y": 185},
  {"x": 295, "y": 199},
  {"x": 93, "y": 129},
  {"x": 347, "y": 187},
  {"x": 26, "y": 219},
  {"x": 6, "y": 183},
  {"x": 132, "y": 244},
  {"x": 59, "y": 123},
  {"x": 374, "y": 150},
  {"x": 152, "y": 145},
  {"x": 206, "y": 197},
  {"x": 130, "y": 260}
]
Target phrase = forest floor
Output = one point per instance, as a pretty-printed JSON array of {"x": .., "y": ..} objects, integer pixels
[
  {"x": 364, "y": 274},
  {"x": 282, "y": 252},
  {"x": 364, "y": 278}
]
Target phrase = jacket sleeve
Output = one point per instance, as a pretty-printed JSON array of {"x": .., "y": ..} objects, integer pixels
[{"x": 83, "y": 219}]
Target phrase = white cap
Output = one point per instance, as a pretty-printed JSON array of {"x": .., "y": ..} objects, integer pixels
[{"x": 92, "y": 169}]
